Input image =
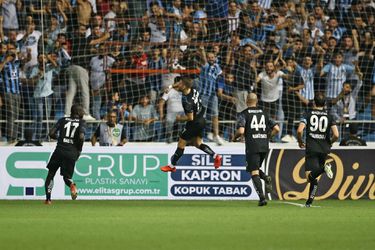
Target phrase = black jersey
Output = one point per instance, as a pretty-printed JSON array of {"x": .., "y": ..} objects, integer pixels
[
  {"x": 257, "y": 127},
  {"x": 192, "y": 104},
  {"x": 318, "y": 131},
  {"x": 69, "y": 130}
]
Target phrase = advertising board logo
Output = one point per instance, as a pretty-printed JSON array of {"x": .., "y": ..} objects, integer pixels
[
  {"x": 96, "y": 174},
  {"x": 27, "y": 171},
  {"x": 352, "y": 180},
  {"x": 196, "y": 177},
  {"x": 121, "y": 175}
]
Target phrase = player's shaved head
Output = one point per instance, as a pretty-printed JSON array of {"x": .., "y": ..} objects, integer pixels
[
  {"x": 76, "y": 111},
  {"x": 252, "y": 99}
]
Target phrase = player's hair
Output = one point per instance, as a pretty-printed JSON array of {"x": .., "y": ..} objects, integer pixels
[
  {"x": 77, "y": 111},
  {"x": 187, "y": 81},
  {"x": 320, "y": 99}
]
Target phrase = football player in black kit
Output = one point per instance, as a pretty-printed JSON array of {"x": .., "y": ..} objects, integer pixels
[
  {"x": 318, "y": 124},
  {"x": 256, "y": 126},
  {"x": 195, "y": 123},
  {"x": 70, "y": 140}
]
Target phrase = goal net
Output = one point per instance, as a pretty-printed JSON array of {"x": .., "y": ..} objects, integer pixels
[{"x": 122, "y": 56}]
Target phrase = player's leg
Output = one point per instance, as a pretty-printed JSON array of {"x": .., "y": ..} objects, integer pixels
[
  {"x": 176, "y": 156},
  {"x": 253, "y": 163},
  {"x": 313, "y": 171},
  {"x": 197, "y": 142},
  {"x": 67, "y": 171},
  {"x": 267, "y": 179},
  {"x": 327, "y": 167},
  {"x": 52, "y": 166},
  {"x": 197, "y": 132}
]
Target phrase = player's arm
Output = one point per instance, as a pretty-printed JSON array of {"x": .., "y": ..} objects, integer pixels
[
  {"x": 239, "y": 133},
  {"x": 275, "y": 130},
  {"x": 241, "y": 123},
  {"x": 185, "y": 118},
  {"x": 81, "y": 138},
  {"x": 300, "y": 129},
  {"x": 335, "y": 134},
  {"x": 53, "y": 132}
]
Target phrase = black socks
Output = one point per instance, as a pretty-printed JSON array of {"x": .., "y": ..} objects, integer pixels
[
  {"x": 258, "y": 186},
  {"x": 205, "y": 148},
  {"x": 177, "y": 155}
]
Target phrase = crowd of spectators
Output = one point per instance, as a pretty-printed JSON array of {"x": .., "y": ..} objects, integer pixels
[{"x": 123, "y": 55}]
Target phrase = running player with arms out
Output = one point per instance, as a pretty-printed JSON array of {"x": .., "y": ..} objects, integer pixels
[
  {"x": 319, "y": 125},
  {"x": 195, "y": 123},
  {"x": 71, "y": 131},
  {"x": 255, "y": 125}
]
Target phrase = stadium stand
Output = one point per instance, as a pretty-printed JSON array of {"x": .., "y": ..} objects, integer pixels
[{"x": 117, "y": 54}]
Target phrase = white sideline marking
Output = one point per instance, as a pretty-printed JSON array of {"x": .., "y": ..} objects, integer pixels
[{"x": 295, "y": 204}]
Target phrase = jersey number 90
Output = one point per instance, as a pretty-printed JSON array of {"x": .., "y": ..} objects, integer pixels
[{"x": 318, "y": 123}]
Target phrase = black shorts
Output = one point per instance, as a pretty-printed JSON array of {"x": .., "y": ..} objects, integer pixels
[
  {"x": 315, "y": 161},
  {"x": 254, "y": 161},
  {"x": 193, "y": 129},
  {"x": 64, "y": 160}
]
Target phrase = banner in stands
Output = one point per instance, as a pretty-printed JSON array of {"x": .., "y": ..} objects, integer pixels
[{"x": 133, "y": 172}]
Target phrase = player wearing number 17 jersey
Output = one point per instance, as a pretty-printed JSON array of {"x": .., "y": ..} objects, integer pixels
[
  {"x": 70, "y": 140},
  {"x": 255, "y": 125},
  {"x": 319, "y": 125},
  {"x": 195, "y": 123}
]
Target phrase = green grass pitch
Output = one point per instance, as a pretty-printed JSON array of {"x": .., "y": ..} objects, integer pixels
[{"x": 186, "y": 225}]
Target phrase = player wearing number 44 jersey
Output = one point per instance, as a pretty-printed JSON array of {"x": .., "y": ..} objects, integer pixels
[
  {"x": 71, "y": 134},
  {"x": 255, "y": 125},
  {"x": 318, "y": 124},
  {"x": 195, "y": 123}
]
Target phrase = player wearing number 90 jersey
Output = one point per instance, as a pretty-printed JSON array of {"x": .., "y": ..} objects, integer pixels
[
  {"x": 319, "y": 125},
  {"x": 71, "y": 132},
  {"x": 255, "y": 125}
]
